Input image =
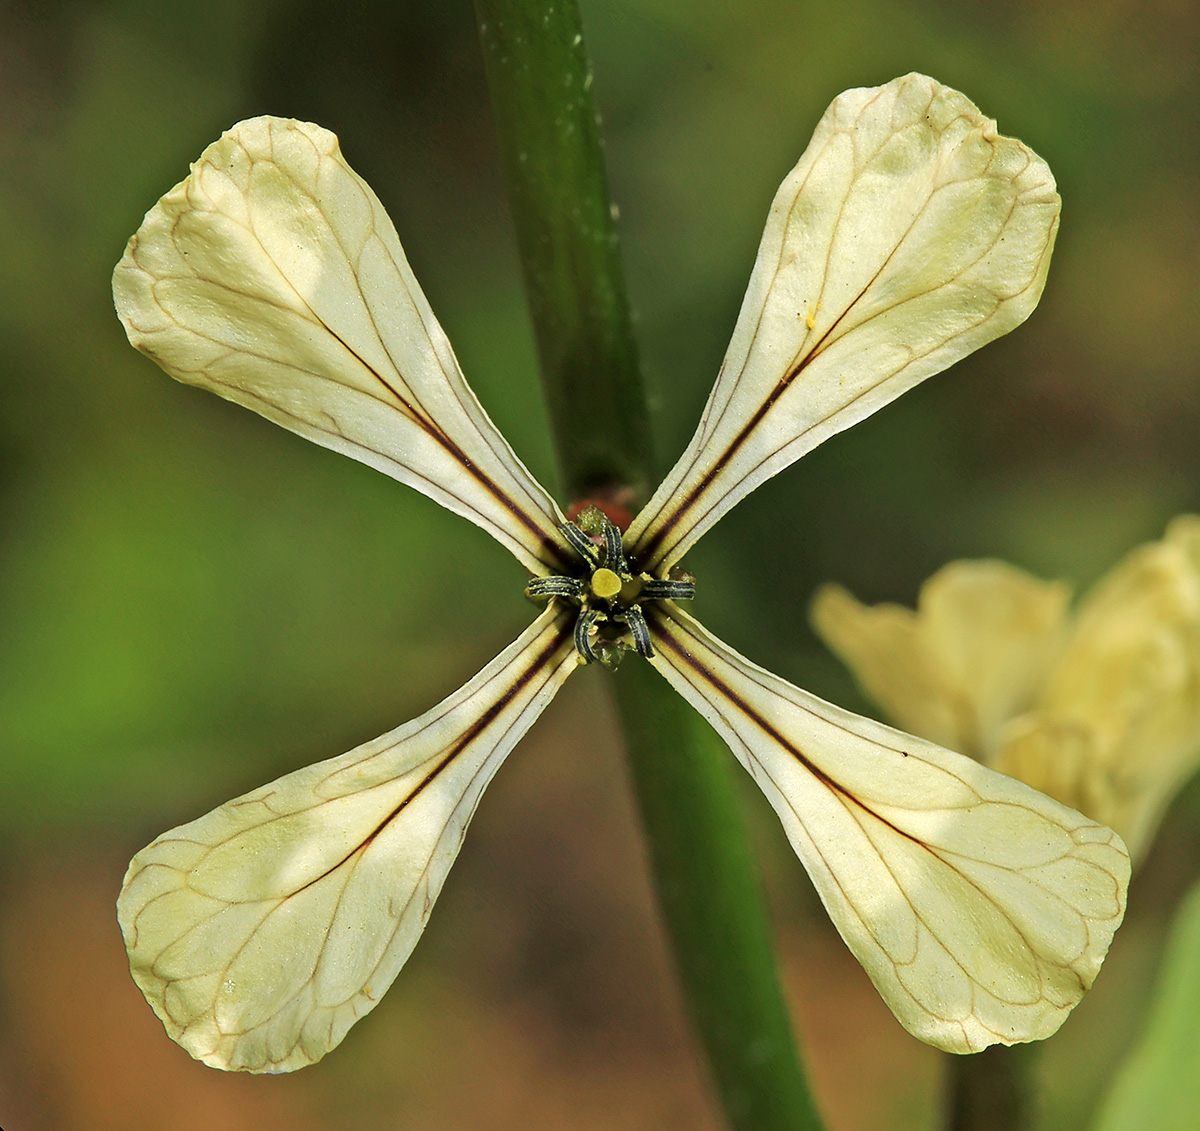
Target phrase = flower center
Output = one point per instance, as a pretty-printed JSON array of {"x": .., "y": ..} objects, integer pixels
[{"x": 608, "y": 591}]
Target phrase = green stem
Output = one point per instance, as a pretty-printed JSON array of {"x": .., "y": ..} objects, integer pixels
[
  {"x": 708, "y": 885},
  {"x": 539, "y": 80},
  {"x": 989, "y": 1090}
]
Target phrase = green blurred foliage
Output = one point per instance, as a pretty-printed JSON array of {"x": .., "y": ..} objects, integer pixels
[
  {"x": 1159, "y": 1085},
  {"x": 193, "y": 601}
]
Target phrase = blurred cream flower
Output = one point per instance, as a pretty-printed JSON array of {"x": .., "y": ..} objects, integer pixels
[
  {"x": 909, "y": 234},
  {"x": 1100, "y": 709}
]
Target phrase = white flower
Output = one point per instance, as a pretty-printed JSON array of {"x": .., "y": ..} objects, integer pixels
[
  {"x": 1100, "y": 710},
  {"x": 909, "y": 234}
]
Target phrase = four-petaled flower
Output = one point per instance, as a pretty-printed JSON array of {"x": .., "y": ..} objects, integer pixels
[{"x": 909, "y": 234}]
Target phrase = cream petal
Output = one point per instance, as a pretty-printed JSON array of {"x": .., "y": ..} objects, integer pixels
[
  {"x": 994, "y": 631},
  {"x": 273, "y": 277},
  {"x": 969, "y": 658},
  {"x": 884, "y": 648},
  {"x": 909, "y": 235},
  {"x": 1115, "y": 728},
  {"x": 981, "y": 909},
  {"x": 262, "y": 931}
]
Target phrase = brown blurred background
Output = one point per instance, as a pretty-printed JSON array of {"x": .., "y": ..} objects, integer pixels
[{"x": 194, "y": 601}]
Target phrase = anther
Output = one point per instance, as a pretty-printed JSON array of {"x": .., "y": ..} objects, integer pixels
[
  {"x": 585, "y": 629},
  {"x": 581, "y": 544},
  {"x": 635, "y": 619},
  {"x": 556, "y": 585}
]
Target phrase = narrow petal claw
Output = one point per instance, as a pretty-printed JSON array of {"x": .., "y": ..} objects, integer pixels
[
  {"x": 981, "y": 909},
  {"x": 261, "y": 932},
  {"x": 909, "y": 235},
  {"x": 273, "y": 276}
]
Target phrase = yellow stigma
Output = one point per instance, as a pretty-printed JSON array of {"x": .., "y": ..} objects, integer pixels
[{"x": 605, "y": 583}]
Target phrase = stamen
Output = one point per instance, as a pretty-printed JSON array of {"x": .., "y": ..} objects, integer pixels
[
  {"x": 585, "y": 628},
  {"x": 614, "y": 552},
  {"x": 556, "y": 585},
  {"x": 639, "y": 630},
  {"x": 666, "y": 589},
  {"x": 582, "y": 544}
]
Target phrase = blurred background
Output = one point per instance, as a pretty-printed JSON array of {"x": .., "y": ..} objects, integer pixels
[{"x": 193, "y": 601}]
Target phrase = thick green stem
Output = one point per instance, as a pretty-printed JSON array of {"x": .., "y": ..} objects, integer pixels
[
  {"x": 539, "y": 80},
  {"x": 989, "y": 1091},
  {"x": 709, "y": 887}
]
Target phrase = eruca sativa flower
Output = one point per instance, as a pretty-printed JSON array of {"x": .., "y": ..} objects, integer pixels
[
  {"x": 910, "y": 234},
  {"x": 610, "y": 594},
  {"x": 1098, "y": 707}
]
